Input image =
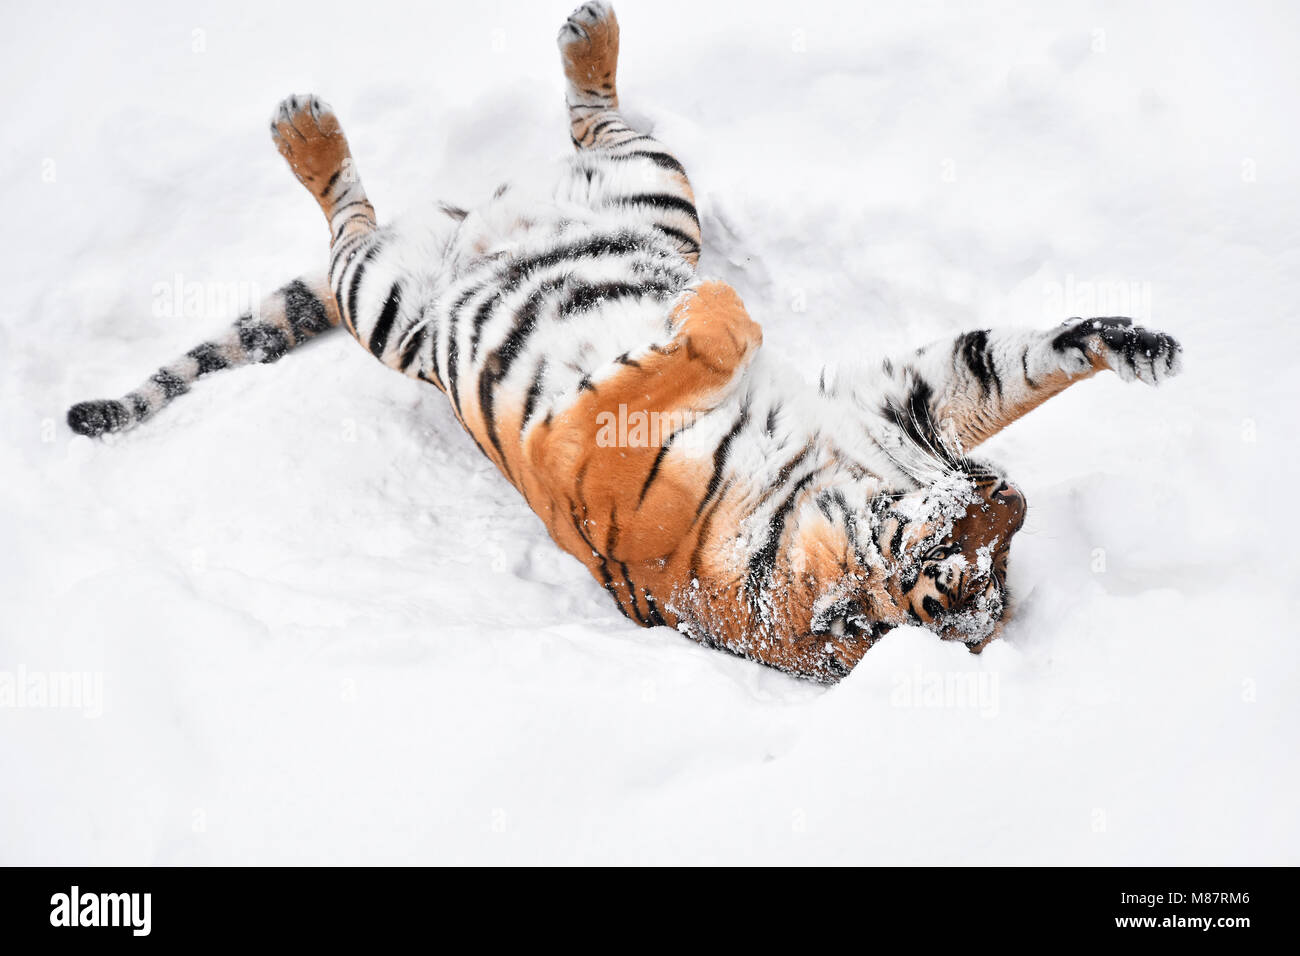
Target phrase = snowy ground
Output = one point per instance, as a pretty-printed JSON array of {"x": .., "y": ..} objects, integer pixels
[{"x": 325, "y": 630}]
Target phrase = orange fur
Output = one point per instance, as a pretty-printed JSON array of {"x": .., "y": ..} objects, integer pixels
[
  {"x": 591, "y": 63},
  {"x": 589, "y": 495}
]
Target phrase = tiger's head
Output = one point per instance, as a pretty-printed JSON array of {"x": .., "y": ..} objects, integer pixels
[
  {"x": 939, "y": 561},
  {"x": 946, "y": 549}
]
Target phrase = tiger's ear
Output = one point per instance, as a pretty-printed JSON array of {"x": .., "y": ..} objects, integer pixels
[{"x": 714, "y": 328}]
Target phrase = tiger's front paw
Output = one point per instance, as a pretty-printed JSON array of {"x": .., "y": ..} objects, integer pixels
[
  {"x": 307, "y": 134},
  {"x": 1131, "y": 351}
]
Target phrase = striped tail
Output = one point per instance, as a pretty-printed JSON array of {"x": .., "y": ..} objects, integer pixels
[{"x": 299, "y": 311}]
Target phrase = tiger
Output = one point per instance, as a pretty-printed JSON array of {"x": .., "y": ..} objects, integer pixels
[{"x": 791, "y": 522}]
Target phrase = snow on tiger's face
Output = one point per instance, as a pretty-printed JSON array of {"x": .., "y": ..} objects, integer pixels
[{"x": 948, "y": 554}]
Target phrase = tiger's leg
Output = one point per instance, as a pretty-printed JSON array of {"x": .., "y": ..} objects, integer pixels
[
  {"x": 638, "y": 171},
  {"x": 958, "y": 393},
  {"x": 367, "y": 284},
  {"x": 284, "y": 320}
]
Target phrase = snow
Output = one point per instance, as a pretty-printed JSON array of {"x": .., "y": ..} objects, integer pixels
[{"x": 326, "y": 630}]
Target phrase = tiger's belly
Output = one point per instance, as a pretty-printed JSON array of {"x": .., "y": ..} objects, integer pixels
[
  {"x": 532, "y": 309},
  {"x": 527, "y": 313}
]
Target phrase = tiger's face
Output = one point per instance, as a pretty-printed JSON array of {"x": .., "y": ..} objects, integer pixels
[{"x": 948, "y": 557}]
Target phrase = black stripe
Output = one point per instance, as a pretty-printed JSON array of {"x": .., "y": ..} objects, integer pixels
[
  {"x": 632, "y": 139},
  {"x": 209, "y": 358},
  {"x": 534, "y": 393},
  {"x": 481, "y": 315},
  {"x": 974, "y": 352},
  {"x": 850, "y": 528},
  {"x": 437, "y": 384},
  {"x": 916, "y": 421},
  {"x": 497, "y": 366},
  {"x": 703, "y": 537},
  {"x": 720, "y": 459},
  {"x": 258, "y": 337},
  {"x": 689, "y": 241},
  {"x": 659, "y": 201},
  {"x": 358, "y": 271},
  {"x": 348, "y": 205},
  {"x": 623, "y": 243},
  {"x": 95, "y": 418},
  {"x": 513, "y": 275},
  {"x": 631, "y": 594},
  {"x": 505, "y": 280},
  {"x": 611, "y": 537},
  {"x": 344, "y": 224},
  {"x": 607, "y": 579},
  {"x": 170, "y": 383},
  {"x": 411, "y": 350},
  {"x": 453, "y": 347},
  {"x": 896, "y": 542},
  {"x": 337, "y": 249},
  {"x": 330, "y": 185},
  {"x": 304, "y": 311},
  {"x": 788, "y": 468},
  {"x": 384, "y": 325},
  {"x": 653, "y": 618},
  {"x": 764, "y": 560},
  {"x": 664, "y": 160},
  {"x": 664, "y": 448},
  {"x": 584, "y": 296}
]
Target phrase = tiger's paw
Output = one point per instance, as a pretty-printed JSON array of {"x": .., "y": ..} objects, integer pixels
[
  {"x": 588, "y": 44},
  {"x": 307, "y": 134},
  {"x": 1131, "y": 351}
]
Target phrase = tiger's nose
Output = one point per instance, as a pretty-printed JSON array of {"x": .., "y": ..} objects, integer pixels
[{"x": 1010, "y": 497}]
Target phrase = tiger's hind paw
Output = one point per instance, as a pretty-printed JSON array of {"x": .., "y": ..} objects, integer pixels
[
  {"x": 588, "y": 44},
  {"x": 1131, "y": 351},
  {"x": 307, "y": 134}
]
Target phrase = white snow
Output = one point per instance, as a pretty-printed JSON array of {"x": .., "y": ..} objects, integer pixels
[{"x": 327, "y": 631}]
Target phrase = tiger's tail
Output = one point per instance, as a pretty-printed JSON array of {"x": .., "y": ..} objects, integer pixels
[{"x": 291, "y": 315}]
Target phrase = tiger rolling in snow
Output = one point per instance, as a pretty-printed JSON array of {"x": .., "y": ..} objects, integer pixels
[{"x": 789, "y": 523}]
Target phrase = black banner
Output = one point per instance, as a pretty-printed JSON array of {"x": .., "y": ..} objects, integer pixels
[{"x": 1170, "y": 907}]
